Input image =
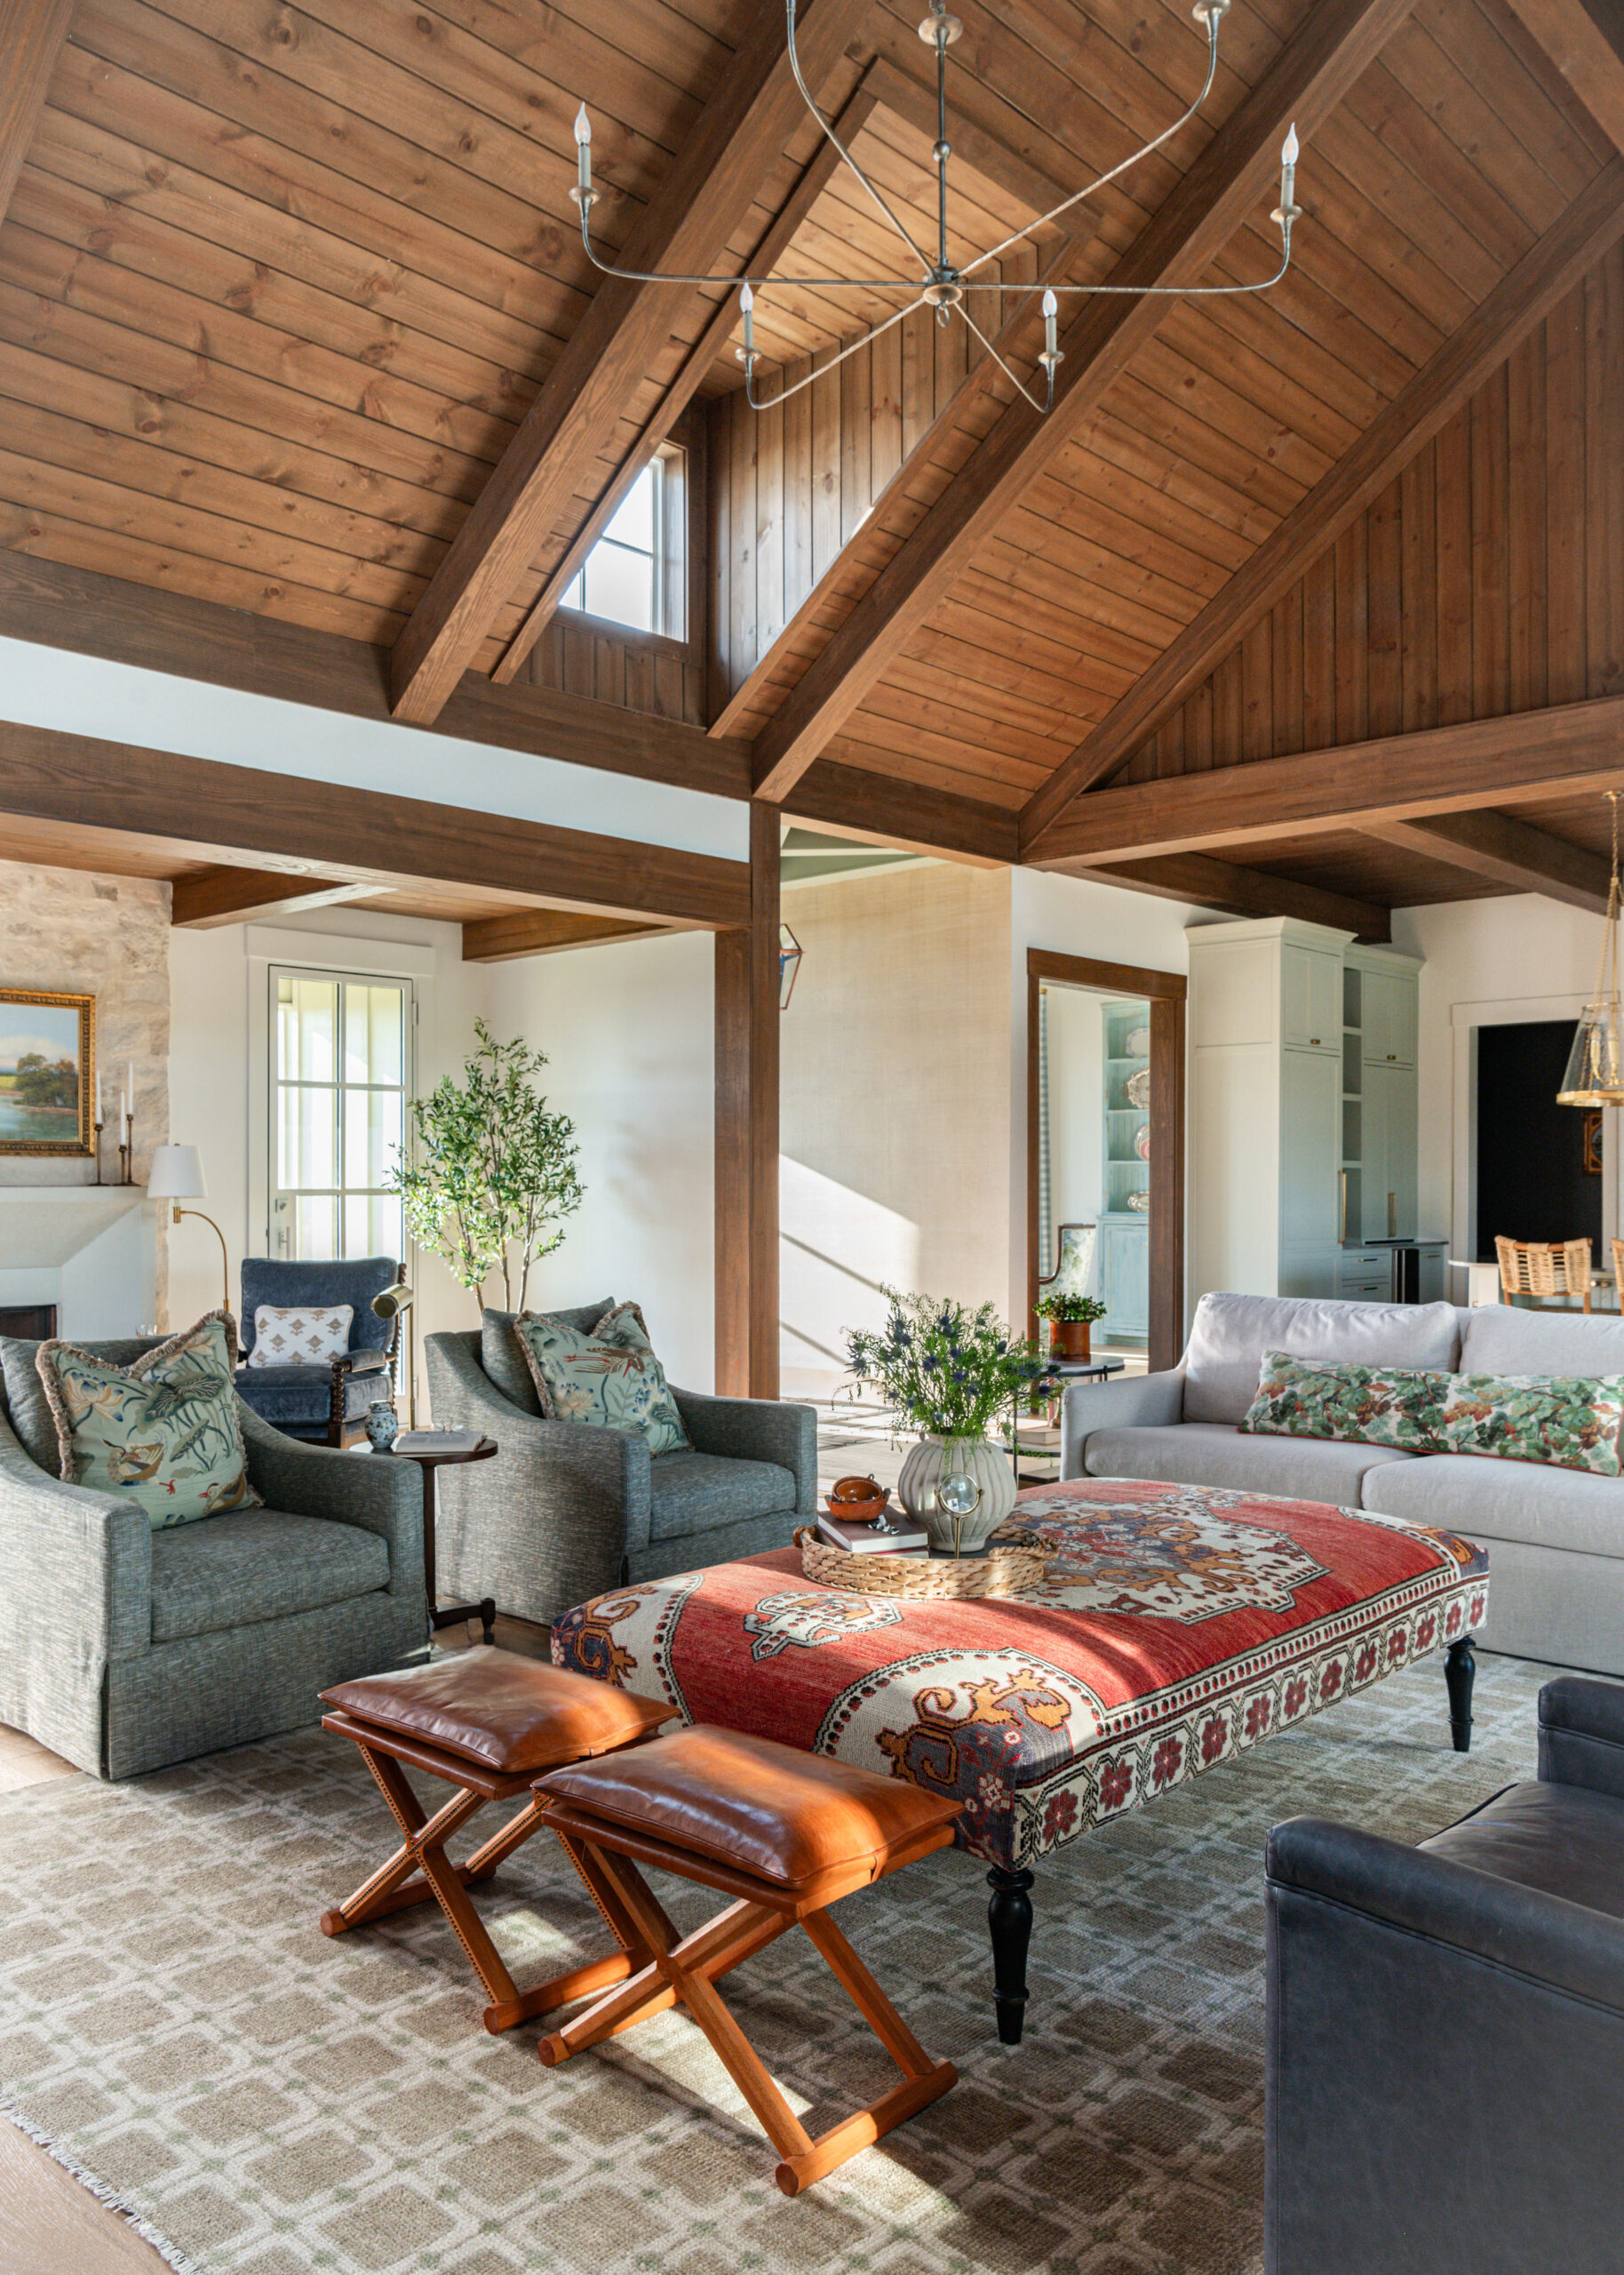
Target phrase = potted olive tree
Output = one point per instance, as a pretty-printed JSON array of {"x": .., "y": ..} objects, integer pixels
[
  {"x": 1070, "y": 1319},
  {"x": 490, "y": 1175}
]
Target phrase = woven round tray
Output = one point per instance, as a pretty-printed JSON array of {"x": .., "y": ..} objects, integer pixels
[{"x": 1014, "y": 1562}]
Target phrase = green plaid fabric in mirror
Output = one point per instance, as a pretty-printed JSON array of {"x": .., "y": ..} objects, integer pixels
[
  {"x": 163, "y": 1432},
  {"x": 610, "y": 1379}
]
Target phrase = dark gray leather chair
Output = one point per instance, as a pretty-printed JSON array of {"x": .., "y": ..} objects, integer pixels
[{"x": 1446, "y": 2065}]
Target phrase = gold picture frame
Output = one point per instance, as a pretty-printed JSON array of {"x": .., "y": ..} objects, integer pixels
[{"x": 50, "y": 1039}]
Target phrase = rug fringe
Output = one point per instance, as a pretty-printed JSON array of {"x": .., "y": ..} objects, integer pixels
[{"x": 110, "y": 2197}]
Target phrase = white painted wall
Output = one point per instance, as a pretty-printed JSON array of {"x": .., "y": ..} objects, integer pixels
[
  {"x": 627, "y": 1027},
  {"x": 1515, "y": 956}
]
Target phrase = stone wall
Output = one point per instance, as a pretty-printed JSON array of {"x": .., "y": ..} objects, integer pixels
[{"x": 73, "y": 931}]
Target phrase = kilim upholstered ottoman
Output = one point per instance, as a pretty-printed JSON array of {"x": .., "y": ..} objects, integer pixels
[{"x": 1176, "y": 1627}]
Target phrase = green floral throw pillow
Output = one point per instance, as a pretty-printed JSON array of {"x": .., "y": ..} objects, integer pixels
[
  {"x": 609, "y": 1378},
  {"x": 163, "y": 1433},
  {"x": 1379, "y": 1406},
  {"x": 1566, "y": 1422}
]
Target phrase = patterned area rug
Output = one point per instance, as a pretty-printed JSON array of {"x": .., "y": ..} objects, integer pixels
[{"x": 174, "y": 2027}]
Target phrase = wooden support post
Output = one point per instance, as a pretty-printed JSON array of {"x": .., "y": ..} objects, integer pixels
[{"x": 747, "y": 1129}]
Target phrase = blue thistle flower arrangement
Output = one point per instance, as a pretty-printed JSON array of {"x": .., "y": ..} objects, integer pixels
[{"x": 945, "y": 1370}]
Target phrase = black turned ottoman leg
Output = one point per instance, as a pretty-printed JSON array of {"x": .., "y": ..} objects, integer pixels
[
  {"x": 1009, "y": 1918},
  {"x": 1458, "y": 1668}
]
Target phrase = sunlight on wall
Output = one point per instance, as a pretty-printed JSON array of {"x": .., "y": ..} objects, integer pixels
[{"x": 836, "y": 1248}]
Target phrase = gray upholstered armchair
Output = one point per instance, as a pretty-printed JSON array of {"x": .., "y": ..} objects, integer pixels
[
  {"x": 326, "y": 1403},
  {"x": 568, "y": 1510},
  {"x": 123, "y": 1649}
]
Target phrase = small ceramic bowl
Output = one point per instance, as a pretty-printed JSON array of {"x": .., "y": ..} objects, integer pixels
[{"x": 847, "y": 1498}]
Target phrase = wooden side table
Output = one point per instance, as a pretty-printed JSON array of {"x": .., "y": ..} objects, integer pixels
[{"x": 430, "y": 1459}]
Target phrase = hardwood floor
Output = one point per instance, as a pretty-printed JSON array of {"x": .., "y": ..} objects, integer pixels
[{"x": 48, "y": 2223}]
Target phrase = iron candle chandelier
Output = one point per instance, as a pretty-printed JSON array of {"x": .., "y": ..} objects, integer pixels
[{"x": 942, "y": 285}]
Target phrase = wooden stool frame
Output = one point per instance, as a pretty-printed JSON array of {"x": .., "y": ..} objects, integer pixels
[
  {"x": 607, "y": 1857},
  {"x": 393, "y": 1886}
]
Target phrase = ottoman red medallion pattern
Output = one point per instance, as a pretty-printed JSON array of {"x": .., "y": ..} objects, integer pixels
[{"x": 1175, "y": 1626}]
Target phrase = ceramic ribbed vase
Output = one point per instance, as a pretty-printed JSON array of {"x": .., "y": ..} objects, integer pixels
[{"x": 933, "y": 1458}]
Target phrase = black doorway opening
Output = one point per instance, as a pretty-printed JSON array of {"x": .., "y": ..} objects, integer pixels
[{"x": 1535, "y": 1177}]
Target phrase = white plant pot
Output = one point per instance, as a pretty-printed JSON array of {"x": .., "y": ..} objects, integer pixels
[{"x": 934, "y": 1458}]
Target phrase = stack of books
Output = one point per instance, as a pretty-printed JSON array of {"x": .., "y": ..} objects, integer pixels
[{"x": 906, "y": 1538}]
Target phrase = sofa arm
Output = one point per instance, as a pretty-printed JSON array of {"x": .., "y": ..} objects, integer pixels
[
  {"x": 1131, "y": 1403},
  {"x": 77, "y": 1561},
  {"x": 552, "y": 1520},
  {"x": 380, "y": 1496},
  {"x": 756, "y": 1429},
  {"x": 1565, "y": 1946},
  {"x": 1582, "y": 1734}
]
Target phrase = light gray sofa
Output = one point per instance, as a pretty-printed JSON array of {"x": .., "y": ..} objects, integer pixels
[
  {"x": 567, "y": 1510},
  {"x": 1556, "y": 1536},
  {"x": 125, "y": 1649}
]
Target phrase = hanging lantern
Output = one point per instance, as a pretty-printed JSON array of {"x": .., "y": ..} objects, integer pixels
[
  {"x": 1595, "y": 1073},
  {"x": 789, "y": 964}
]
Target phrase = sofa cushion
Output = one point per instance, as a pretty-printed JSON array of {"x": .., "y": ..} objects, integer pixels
[
  {"x": 1564, "y": 1839},
  {"x": 1502, "y": 1339},
  {"x": 693, "y": 1493},
  {"x": 1230, "y": 1335},
  {"x": 1212, "y": 1453},
  {"x": 1556, "y": 1421},
  {"x": 1503, "y": 1500},
  {"x": 609, "y": 1379},
  {"x": 504, "y": 1360},
  {"x": 259, "y": 1564},
  {"x": 301, "y": 1397},
  {"x": 1372, "y": 1406}
]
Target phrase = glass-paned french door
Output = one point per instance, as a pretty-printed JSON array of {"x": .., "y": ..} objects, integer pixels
[{"x": 340, "y": 1073}]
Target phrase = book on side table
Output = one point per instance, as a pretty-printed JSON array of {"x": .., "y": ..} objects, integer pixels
[
  {"x": 436, "y": 1441},
  {"x": 904, "y": 1539}
]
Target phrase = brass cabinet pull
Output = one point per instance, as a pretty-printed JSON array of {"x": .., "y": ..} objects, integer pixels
[{"x": 1342, "y": 1176}]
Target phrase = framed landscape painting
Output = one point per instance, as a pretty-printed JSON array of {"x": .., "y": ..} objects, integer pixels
[{"x": 47, "y": 1073}]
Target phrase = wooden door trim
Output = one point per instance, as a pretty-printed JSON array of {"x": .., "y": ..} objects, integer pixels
[{"x": 1166, "y": 992}]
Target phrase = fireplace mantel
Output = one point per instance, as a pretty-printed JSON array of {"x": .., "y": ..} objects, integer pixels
[{"x": 90, "y": 1249}]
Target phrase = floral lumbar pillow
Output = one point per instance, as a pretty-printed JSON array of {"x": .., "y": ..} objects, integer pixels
[
  {"x": 610, "y": 1379},
  {"x": 300, "y": 1335},
  {"x": 1568, "y": 1422},
  {"x": 163, "y": 1433},
  {"x": 1318, "y": 1398}
]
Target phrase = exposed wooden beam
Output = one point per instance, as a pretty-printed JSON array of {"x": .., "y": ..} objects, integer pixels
[
  {"x": 543, "y": 932},
  {"x": 31, "y": 36},
  {"x": 747, "y": 1031},
  {"x": 815, "y": 179},
  {"x": 1205, "y": 882},
  {"x": 1569, "y": 751},
  {"x": 896, "y": 511},
  {"x": 212, "y": 896},
  {"x": 1523, "y": 298},
  {"x": 979, "y": 135},
  {"x": 1337, "y": 39},
  {"x": 218, "y": 812},
  {"x": 889, "y": 811},
  {"x": 1506, "y": 851},
  {"x": 684, "y": 228},
  {"x": 1585, "y": 40}
]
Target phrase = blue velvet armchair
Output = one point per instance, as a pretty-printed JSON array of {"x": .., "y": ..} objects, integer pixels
[{"x": 324, "y": 1403}]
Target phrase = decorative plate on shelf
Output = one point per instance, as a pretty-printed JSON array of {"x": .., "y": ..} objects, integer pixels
[
  {"x": 1142, "y": 1142},
  {"x": 1138, "y": 1087},
  {"x": 1139, "y": 1203},
  {"x": 1136, "y": 1042}
]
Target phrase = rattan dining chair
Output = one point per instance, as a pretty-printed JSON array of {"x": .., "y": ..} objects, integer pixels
[{"x": 1536, "y": 1270}]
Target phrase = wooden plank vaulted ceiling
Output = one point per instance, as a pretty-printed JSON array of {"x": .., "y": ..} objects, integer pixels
[{"x": 295, "y": 320}]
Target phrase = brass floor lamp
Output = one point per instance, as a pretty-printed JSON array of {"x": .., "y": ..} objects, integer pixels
[{"x": 177, "y": 1175}]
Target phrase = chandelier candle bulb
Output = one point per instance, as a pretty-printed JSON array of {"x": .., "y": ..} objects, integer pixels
[
  {"x": 583, "y": 153},
  {"x": 1051, "y": 355},
  {"x": 747, "y": 305}
]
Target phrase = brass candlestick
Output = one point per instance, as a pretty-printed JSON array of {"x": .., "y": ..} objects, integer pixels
[
  {"x": 126, "y": 1153},
  {"x": 99, "y": 1127}
]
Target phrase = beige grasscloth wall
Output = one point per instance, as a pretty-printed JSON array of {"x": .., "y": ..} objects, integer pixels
[{"x": 895, "y": 1137}]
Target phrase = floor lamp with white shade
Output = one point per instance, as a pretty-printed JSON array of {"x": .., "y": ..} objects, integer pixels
[{"x": 177, "y": 1175}]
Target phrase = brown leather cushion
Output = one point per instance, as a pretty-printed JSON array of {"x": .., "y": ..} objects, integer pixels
[
  {"x": 504, "y": 1712},
  {"x": 750, "y": 1802}
]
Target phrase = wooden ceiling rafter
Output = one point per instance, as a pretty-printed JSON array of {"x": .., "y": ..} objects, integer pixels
[
  {"x": 1528, "y": 293},
  {"x": 710, "y": 345},
  {"x": 1568, "y": 750},
  {"x": 1334, "y": 45},
  {"x": 545, "y": 932},
  {"x": 1207, "y": 882},
  {"x": 708, "y": 194},
  {"x": 1587, "y": 45},
  {"x": 219, "y": 895},
  {"x": 1506, "y": 851},
  {"x": 32, "y": 33}
]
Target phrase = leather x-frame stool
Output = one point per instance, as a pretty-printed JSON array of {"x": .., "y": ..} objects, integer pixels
[
  {"x": 786, "y": 1834},
  {"x": 485, "y": 1721}
]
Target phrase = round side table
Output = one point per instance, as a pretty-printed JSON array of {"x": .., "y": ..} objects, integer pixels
[{"x": 430, "y": 1459}]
